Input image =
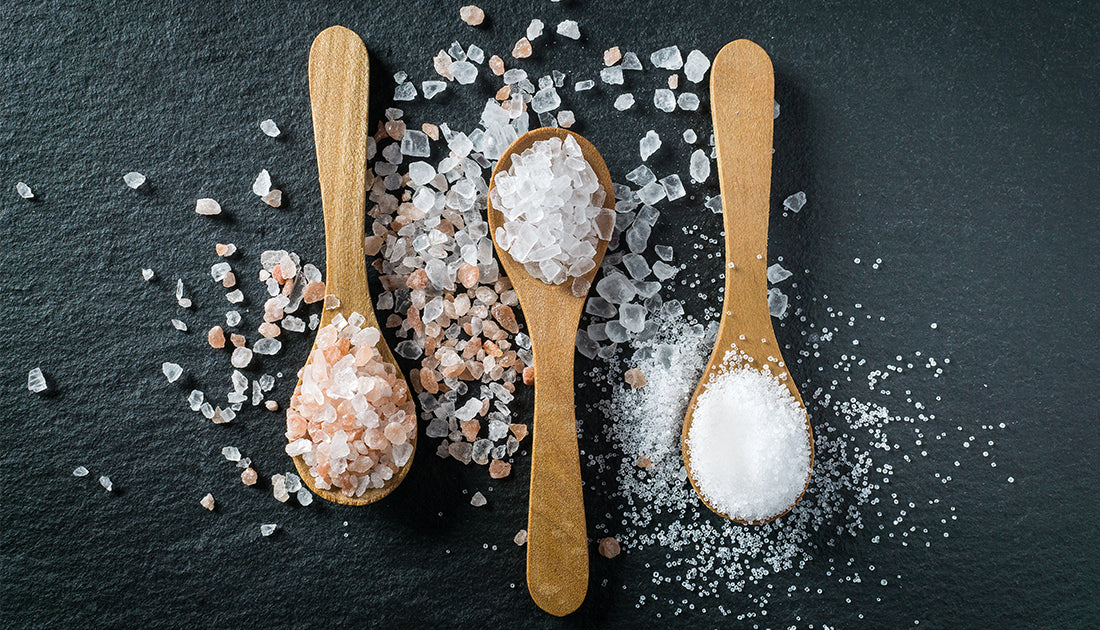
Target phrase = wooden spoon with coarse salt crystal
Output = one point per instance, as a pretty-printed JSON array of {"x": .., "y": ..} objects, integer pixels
[
  {"x": 742, "y": 94},
  {"x": 338, "y": 82},
  {"x": 557, "y": 541}
]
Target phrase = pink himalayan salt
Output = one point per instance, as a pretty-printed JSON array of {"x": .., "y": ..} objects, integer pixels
[
  {"x": 673, "y": 81},
  {"x": 635, "y": 378},
  {"x": 496, "y": 64},
  {"x": 504, "y": 315},
  {"x": 273, "y": 198},
  {"x": 611, "y": 56},
  {"x": 471, "y": 15},
  {"x": 609, "y": 547},
  {"x": 503, "y": 93},
  {"x": 351, "y": 418},
  {"x": 267, "y": 329},
  {"x": 499, "y": 469},
  {"x": 207, "y": 502},
  {"x": 230, "y": 280},
  {"x": 442, "y": 63},
  {"x": 216, "y": 337},
  {"x": 522, "y": 48},
  {"x": 249, "y": 477},
  {"x": 518, "y": 430},
  {"x": 237, "y": 340},
  {"x": 271, "y": 405},
  {"x": 432, "y": 131},
  {"x": 644, "y": 462},
  {"x": 529, "y": 375},
  {"x": 468, "y": 275},
  {"x": 470, "y": 429},
  {"x": 314, "y": 292}
]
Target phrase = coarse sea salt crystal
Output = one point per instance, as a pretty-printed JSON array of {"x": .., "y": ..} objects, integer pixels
[
  {"x": 36, "y": 382},
  {"x": 231, "y": 453},
  {"x": 750, "y": 454},
  {"x": 172, "y": 371},
  {"x": 267, "y": 345},
  {"x": 776, "y": 273},
  {"x": 545, "y": 100},
  {"x": 649, "y": 144},
  {"x": 241, "y": 357},
  {"x": 268, "y": 529},
  {"x": 269, "y": 128},
  {"x": 106, "y": 482},
  {"x": 207, "y": 502},
  {"x": 700, "y": 166},
  {"x": 624, "y": 102},
  {"x": 696, "y": 66},
  {"x": 134, "y": 179},
  {"x": 464, "y": 72},
  {"x": 631, "y": 62},
  {"x": 667, "y": 58},
  {"x": 534, "y": 29},
  {"x": 262, "y": 185},
  {"x": 674, "y": 188},
  {"x": 415, "y": 144},
  {"x": 688, "y": 101},
  {"x": 664, "y": 99},
  {"x": 147, "y": 274},
  {"x": 407, "y": 91},
  {"x": 777, "y": 303},
  {"x": 478, "y": 500},
  {"x": 581, "y": 86},
  {"x": 80, "y": 471},
  {"x": 179, "y": 325},
  {"x": 207, "y": 207},
  {"x": 795, "y": 202},
  {"x": 431, "y": 88},
  {"x": 689, "y": 136},
  {"x": 612, "y": 75},
  {"x": 569, "y": 28},
  {"x": 24, "y": 190}
]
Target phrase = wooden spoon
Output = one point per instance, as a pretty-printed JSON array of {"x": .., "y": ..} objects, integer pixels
[
  {"x": 742, "y": 90},
  {"x": 557, "y": 542},
  {"x": 338, "y": 73}
]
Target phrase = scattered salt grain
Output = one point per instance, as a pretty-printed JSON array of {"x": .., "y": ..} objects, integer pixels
[
  {"x": 415, "y": 143},
  {"x": 545, "y": 100},
  {"x": 235, "y": 297},
  {"x": 581, "y": 86},
  {"x": 464, "y": 72},
  {"x": 777, "y": 303},
  {"x": 674, "y": 188},
  {"x": 134, "y": 179},
  {"x": 179, "y": 325},
  {"x": 612, "y": 75},
  {"x": 269, "y": 128},
  {"x": 24, "y": 190},
  {"x": 105, "y": 481},
  {"x": 609, "y": 547},
  {"x": 80, "y": 471},
  {"x": 471, "y": 14},
  {"x": 241, "y": 357},
  {"x": 689, "y": 136},
  {"x": 534, "y": 29},
  {"x": 522, "y": 49},
  {"x": 776, "y": 273},
  {"x": 172, "y": 371},
  {"x": 700, "y": 166},
  {"x": 431, "y": 88},
  {"x": 207, "y": 207},
  {"x": 795, "y": 202},
  {"x": 267, "y": 345},
  {"x": 649, "y": 144},
  {"x": 696, "y": 66},
  {"x": 520, "y": 538},
  {"x": 267, "y": 529},
  {"x": 262, "y": 185},
  {"x": 664, "y": 99},
  {"x": 631, "y": 62},
  {"x": 634, "y": 378},
  {"x": 667, "y": 58},
  {"x": 147, "y": 274},
  {"x": 569, "y": 28},
  {"x": 207, "y": 502},
  {"x": 231, "y": 453},
  {"x": 624, "y": 102},
  {"x": 478, "y": 500},
  {"x": 688, "y": 101},
  {"x": 304, "y": 496},
  {"x": 36, "y": 382}
]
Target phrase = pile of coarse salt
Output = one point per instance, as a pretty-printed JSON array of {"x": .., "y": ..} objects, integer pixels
[
  {"x": 351, "y": 418},
  {"x": 552, "y": 202},
  {"x": 748, "y": 443}
]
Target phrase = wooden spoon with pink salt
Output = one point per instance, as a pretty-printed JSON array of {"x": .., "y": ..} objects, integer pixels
[{"x": 351, "y": 422}]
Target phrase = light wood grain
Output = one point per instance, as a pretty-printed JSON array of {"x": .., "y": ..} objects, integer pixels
[
  {"x": 742, "y": 89},
  {"x": 338, "y": 89},
  {"x": 557, "y": 542}
]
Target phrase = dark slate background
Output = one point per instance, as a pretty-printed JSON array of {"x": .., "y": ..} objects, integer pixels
[{"x": 958, "y": 144}]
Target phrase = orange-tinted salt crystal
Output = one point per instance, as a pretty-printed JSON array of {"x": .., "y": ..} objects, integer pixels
[
  {"x": 417, "y": 279},
  {"x": 499, "y": 469},
  {"x": 230, "y": 280},
  {"x": 395, "y": 129},
  {"x": 643, "y": 462},
  {"x": 511, "y": 387},
  {"x": 271, "y": 405},
  {"x": 470, "y": 429},
  {"x": 673, "y": 81},
  {"x": 216, "y": 337},
  {"x": 522, "y": 49},
  {"x": 412, "y": 318},
  {"x": 314, "y": 292},
  {"x": 431, "y": 130},
  {"x": 248, "y": 477},
  {"x": 221, "y": 249},
  {"x": 429, "y": 380},
  {"x": 277, "y": 273},
  {"x": 471, "y": 15},
  {"x": 496, "y": 64},
  {"x": 484, "y": 408},
  {"x": 504, "y": 93},
  {"x": 373, "y": 244},
  {"x": 635, "y": 378},
  {"x": 491, "y": 349},
  {"x": 611, "y": 56},
  {"x": 467, "y": 274},
  {"x": 273, "y": 198},
  {"x": 504, "y": 315},
  {"x": 518, "y": 430},
  {"x": 609, "y": 547},
  {"x": 236, "y": 340},
  {"x": 529, "y": 375},
  {"x": 268, "y": 329},
  {"x": 442, "y": 63},
  {"x": 288, "y": 287}
]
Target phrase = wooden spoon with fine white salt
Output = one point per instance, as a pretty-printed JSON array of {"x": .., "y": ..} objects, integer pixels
[
  {"x": 557, "y": 541},
  {"x": 742, "y": 88},
  {"x": 338, "y": 82}
]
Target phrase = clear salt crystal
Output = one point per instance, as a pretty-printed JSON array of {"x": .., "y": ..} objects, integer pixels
[
  {"x": 195, "y": 399},
  {"x": 235, "y": 296},
  {"x": 415, "y": 144},
  {"x": 631, "y": 62},
  {"x": 545, "y": 100},
  {"x": 566, "y": 119},
  {"x": 269, "y": 128},
  {"x": 667, "y": 58},
  {"x": 267, "y": 345},
  {"x": 534, "y": 29},
  {"x": 408, "y": 349},
  {"x": 580, "y": 287},
  {"x": 262, "y": 185},
  {"x": 134, "y": 179},
  {"x": 624, "y": 102},
  {"x": 776, "y": 273},
  {"x": 480, "y": 451},
  {"x": 431, "y": 88},
  {"x": 36, "y": 382},
  {"x": 231, "y": 453},
  {"x": 497, "y": 430},
  {"x": 663, "y": 271},
  {"x": 688, "y": 101},
  {"x": 304, "y": 496},
  {"x": 241, "y": 357},
  {"x": 407, "y": 91},
  {"x": 80, "y": 471},
  {"x": 172, "y": 371},
  {"x": 24, "y": 190},
  {"x": 714, "y": 203},
  {"x": 105, "y": 481},
  {"x": 475, "y": 54},
  {"x": 402, "y": 452},
  {"x": 641, "y": 176},
  {"x": 696, "y": 66},
  {"x": 232, "y": 318},
  {"x": 520, "y": 538},
  {"x": 689, "y": 136},
  {"x": 632, "y": 317},
  {"x": 651, "y": 193},
  {"x": 464, "y": 72},
  {"x": 795, "y": 202},
  {"x": 777, "y": 303},
  {"x": 664, "y": 99},
  {"x": 612, "y": 75},
  {"x": 420, "y": 173},
  {"x": 293, "y": 482},
  {"x": 636, "y": 266},
  {"x": 478, "y": 500},
  {"x": 569, "y": 28},
  {"x": 147, "y": 274},
  {"x": 267, "y": 529},
  {"x": 581, "y": 86},
  {"x": 637, "y": 236},
  {"x": 700, "y": 166},
  {"x": 775, "y": 113},
  {"x": 179, "y": 325},
  {"x": 649, "y": 144},
  {"x": 616, "y": 289},
  {"x": 664, "y": 252},
  {"x": 207, "y": 207}
]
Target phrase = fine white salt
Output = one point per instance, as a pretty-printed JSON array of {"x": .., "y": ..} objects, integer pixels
[{"x": 749, "y": 450}]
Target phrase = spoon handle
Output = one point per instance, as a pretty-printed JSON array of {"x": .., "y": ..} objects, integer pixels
[
  {"x": 557, "y": 543},
  {"x": 742, "y": 89},
  {"x": 338, "y": 90}
]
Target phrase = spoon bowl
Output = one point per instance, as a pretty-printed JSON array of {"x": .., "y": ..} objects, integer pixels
[
  {"x": 338, "y": 82},
  {"x": 742, "y": 89},
  {"x": 557, "y": 543}
]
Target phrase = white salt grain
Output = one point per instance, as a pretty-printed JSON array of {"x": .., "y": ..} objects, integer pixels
[
  {"x": 664, "y": 99},
  {"x": 688, "y": 101},
  {"x": 231, "y": 453},
  {"x": 36, "y": 382},
  {"x": 667, "y": 58},
  {"x": 777, "y": 303},
  {"x": 696, "y": 66},
  {"x": 105, "y": 481},
  {"x": 241, "y": 357},
  {"x": 612, "y": 75},
  {"x": 776, "y": 273},
  {"x": 431, "y": 88},
  {"x": 147, "y": 274},
  {"x": 262, "y": 185},
  {"x": 795, "y": 202},
  {"x": 700, "y": 166},
  {"x": 624, "y": 102},
  {"x": 267, "y": 529},
  {"x": 581, "y": 86},
  {"x": 407, "y": 91},
  {"x": 464, "y": 72},
  {"x": 269, "y": 128},
  {"x": 569, "y": 28},
  {"x": 750, "y": 455},
  {"x": 649, "y": 144},
  {"x": 80, "y": 471},
  {"x": 172, "y": 371},
  {"x": 134, "y": 179},
  {"x": 534, "y": 29},
  {"x": 178, "y": 325},
  {"x": 207, "y": 207},
  {"x": 478, "y": 500},
  {"x": 24, "y": 190},
  {"x": 267, "y": 345}
]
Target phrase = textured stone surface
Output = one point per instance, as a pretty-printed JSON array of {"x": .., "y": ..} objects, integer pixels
[{"x": 960, "y": 145}]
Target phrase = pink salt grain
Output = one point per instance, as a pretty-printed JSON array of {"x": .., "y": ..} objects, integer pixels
[
  {"x": 249, "y": 477},
  {"x": 207, "y": 502},
  {"x": 216, "y": 337},
  {"x": 468, "y": 275},
  {"x": 499, "y": 469},
  {"x": 635, "y": 378},
  {"x": 471, "y": 15},
  {"x": 504, "y": 315},
  {"x": 271, "y": 405},
  {"x": 273, "y": 198},
  {"x": 529, "y": 375},
  {"x": 470, "y": 429},
  {"x": 237, "y": 340},
  {"x": 314, "y": 292},
  {"x": 611, "y": 56},
  {"x": 522, "y": 49},
  {"x": 609, "y": 547},
  {"x": 518, "y": 430},
  {"x": 267, "y": 329},
  {"x": 496, "y": 64},
  {"x": 351, "y": 418}
]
